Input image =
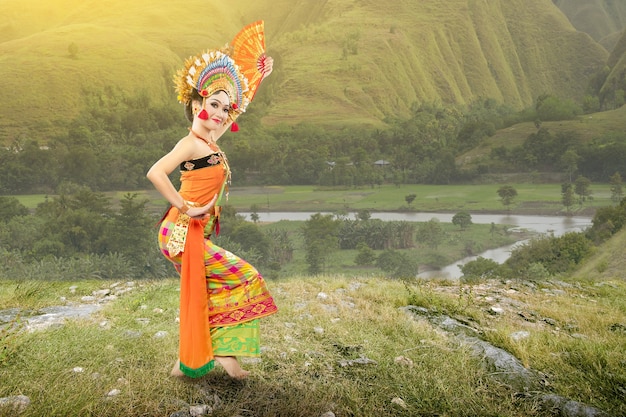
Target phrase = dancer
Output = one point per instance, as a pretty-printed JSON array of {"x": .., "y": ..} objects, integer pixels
[{"x": 222, "y": 296}]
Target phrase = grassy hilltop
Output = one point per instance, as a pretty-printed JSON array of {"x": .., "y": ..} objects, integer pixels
[{"x": 338, "y": 344}]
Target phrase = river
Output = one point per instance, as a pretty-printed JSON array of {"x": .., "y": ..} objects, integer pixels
[{"x": 555, "y": 225}]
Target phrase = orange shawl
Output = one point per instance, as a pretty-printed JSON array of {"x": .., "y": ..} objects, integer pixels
[{"x": 196, "y": 352}]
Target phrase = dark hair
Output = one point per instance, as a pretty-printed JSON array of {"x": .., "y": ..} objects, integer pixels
[{"x": 195, "y": 96}]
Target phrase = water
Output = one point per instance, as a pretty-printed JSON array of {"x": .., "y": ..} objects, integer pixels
[{"x": 555, "y": 225}]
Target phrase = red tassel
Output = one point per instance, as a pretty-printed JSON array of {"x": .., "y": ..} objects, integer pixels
[
  {"x": 217, "y": 226},
  {"x": 234, "y": 127},
  {"x": 204, "y": 115}
]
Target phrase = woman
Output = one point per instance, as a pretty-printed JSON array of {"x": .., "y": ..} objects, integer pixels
[{"x": 222, "y": 296}]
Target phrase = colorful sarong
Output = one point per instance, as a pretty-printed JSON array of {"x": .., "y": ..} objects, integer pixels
[{"x": 222, "y": 296}]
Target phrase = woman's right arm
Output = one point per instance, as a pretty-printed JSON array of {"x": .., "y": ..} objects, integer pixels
[{"x": 159, "y": 173}]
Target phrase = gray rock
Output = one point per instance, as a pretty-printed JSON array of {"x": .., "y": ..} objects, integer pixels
[
  {"x": 569, "y": 408},
  {"x": 131, "y": 334},
  {"x": 505, "y": 367},
  {"x": 399, "y": 402},
  {"x": 415, "y": 310},
  {"x": 403, "y": 361},
  {"x": 181, "y": 413},
  {"x": 56, "y": 315},
  {"x": 9, "y": 314},
  {"x": 16, "y": 403},
  {"x": 200, "y": 410},
  {"x": 550, "y": 321},
  {"x": 496, "y": 310},
  {"x": 360, "y": 361},
  {"x": 114, "y": 392},
  {"x": 356, "y": 285},
  {"x": 521, "y": 335}
]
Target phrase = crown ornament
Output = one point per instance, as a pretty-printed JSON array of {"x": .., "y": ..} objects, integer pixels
[{"x": 236, "y": 69}]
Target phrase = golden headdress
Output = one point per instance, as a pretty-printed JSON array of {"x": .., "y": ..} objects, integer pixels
[{"x": 236, "y": 69}]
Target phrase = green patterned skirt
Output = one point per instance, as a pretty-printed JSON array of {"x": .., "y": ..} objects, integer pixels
[{"x": 239, "y": 340}]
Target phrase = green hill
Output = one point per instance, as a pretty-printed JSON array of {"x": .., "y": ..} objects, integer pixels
[
  {"x": 587, "y": 127},
  {"x": 338, "y": 62},
  {"x": 601, "y": 19},
  {"x": 607, "y": 263}
]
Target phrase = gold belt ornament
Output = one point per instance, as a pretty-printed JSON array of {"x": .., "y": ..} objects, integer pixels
[{"x": 176, "y": 242}]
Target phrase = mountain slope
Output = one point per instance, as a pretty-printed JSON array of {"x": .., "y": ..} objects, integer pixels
[
  {"x": 337, "y": 62},
  {"x": 431, "y": 51},
  {"x": 614, "y": 87},
  {"x": 607, "y": 263},
  {"x": 601, "y": 19}
]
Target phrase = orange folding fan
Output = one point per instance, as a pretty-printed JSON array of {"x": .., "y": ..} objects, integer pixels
[{"x": 249, "y": 54}]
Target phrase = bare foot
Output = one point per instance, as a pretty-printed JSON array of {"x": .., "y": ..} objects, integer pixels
[
  {"x": 230, "y": 364},
  {"x": 176, "y": 370}
]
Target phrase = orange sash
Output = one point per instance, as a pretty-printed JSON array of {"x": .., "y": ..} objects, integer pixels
[
  {"x": 195, "y": 348},
  {"x": 196, "y": 352}
]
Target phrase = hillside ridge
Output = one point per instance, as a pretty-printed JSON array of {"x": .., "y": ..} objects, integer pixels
[{"x": 369, "y": 63}]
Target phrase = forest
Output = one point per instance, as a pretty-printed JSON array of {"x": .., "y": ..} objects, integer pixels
[{"x": 111, "y": 145}]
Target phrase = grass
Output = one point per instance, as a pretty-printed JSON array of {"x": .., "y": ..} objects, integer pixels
[
  {"x": 299, "y": 374},
  {"x": 543, "y": 199}
]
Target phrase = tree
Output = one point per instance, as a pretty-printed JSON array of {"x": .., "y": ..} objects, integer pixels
[
  {"x": 365, "y": 256},
  {"x": 567, "y": 196},
  {"x": 410, "y": 198},
  {"x": 507, "y": 194},
  {"x": 397, "y": 264},
  {"x": 251, "y": 238},
  {"x": 556, "y": 254},
  {"x": 554, "y": 108},
  {"x": 607, "y": 221},
  {"x": 430, "y": 233},
  {"x": 254, "y": 213},
  {"x": 569, "y": 161},
  {"x": 11, "y": 207},
  {"x": 616, "y": 187},
  {"x": 582, "y": 189},
  {"x": 462, "y": 219},
  {"x": 320, "y": 239},
  {"x": 281, "y": 247},
  {"x": 363, "y": 215},
  {"x": 480, "y": 268}
]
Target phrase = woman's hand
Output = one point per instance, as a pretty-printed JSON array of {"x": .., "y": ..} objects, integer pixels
[
  {"x": 268, "y": 66},
  {"x": 203, "y": 212}
]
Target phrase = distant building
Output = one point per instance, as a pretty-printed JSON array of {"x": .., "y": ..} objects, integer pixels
[{"x": 381, "y": 163}]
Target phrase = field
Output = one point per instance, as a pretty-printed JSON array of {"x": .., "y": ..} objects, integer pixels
[{"x": 540, "y": 199}]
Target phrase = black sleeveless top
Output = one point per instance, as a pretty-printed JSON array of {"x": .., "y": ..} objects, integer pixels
[{"x": 213, "y": 159}]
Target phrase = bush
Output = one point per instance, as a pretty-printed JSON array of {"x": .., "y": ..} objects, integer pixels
[
  {"x": 397, "y": 264},
  {"x": 480, "y": 269},
  {"x": 555, "y": 254}
]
